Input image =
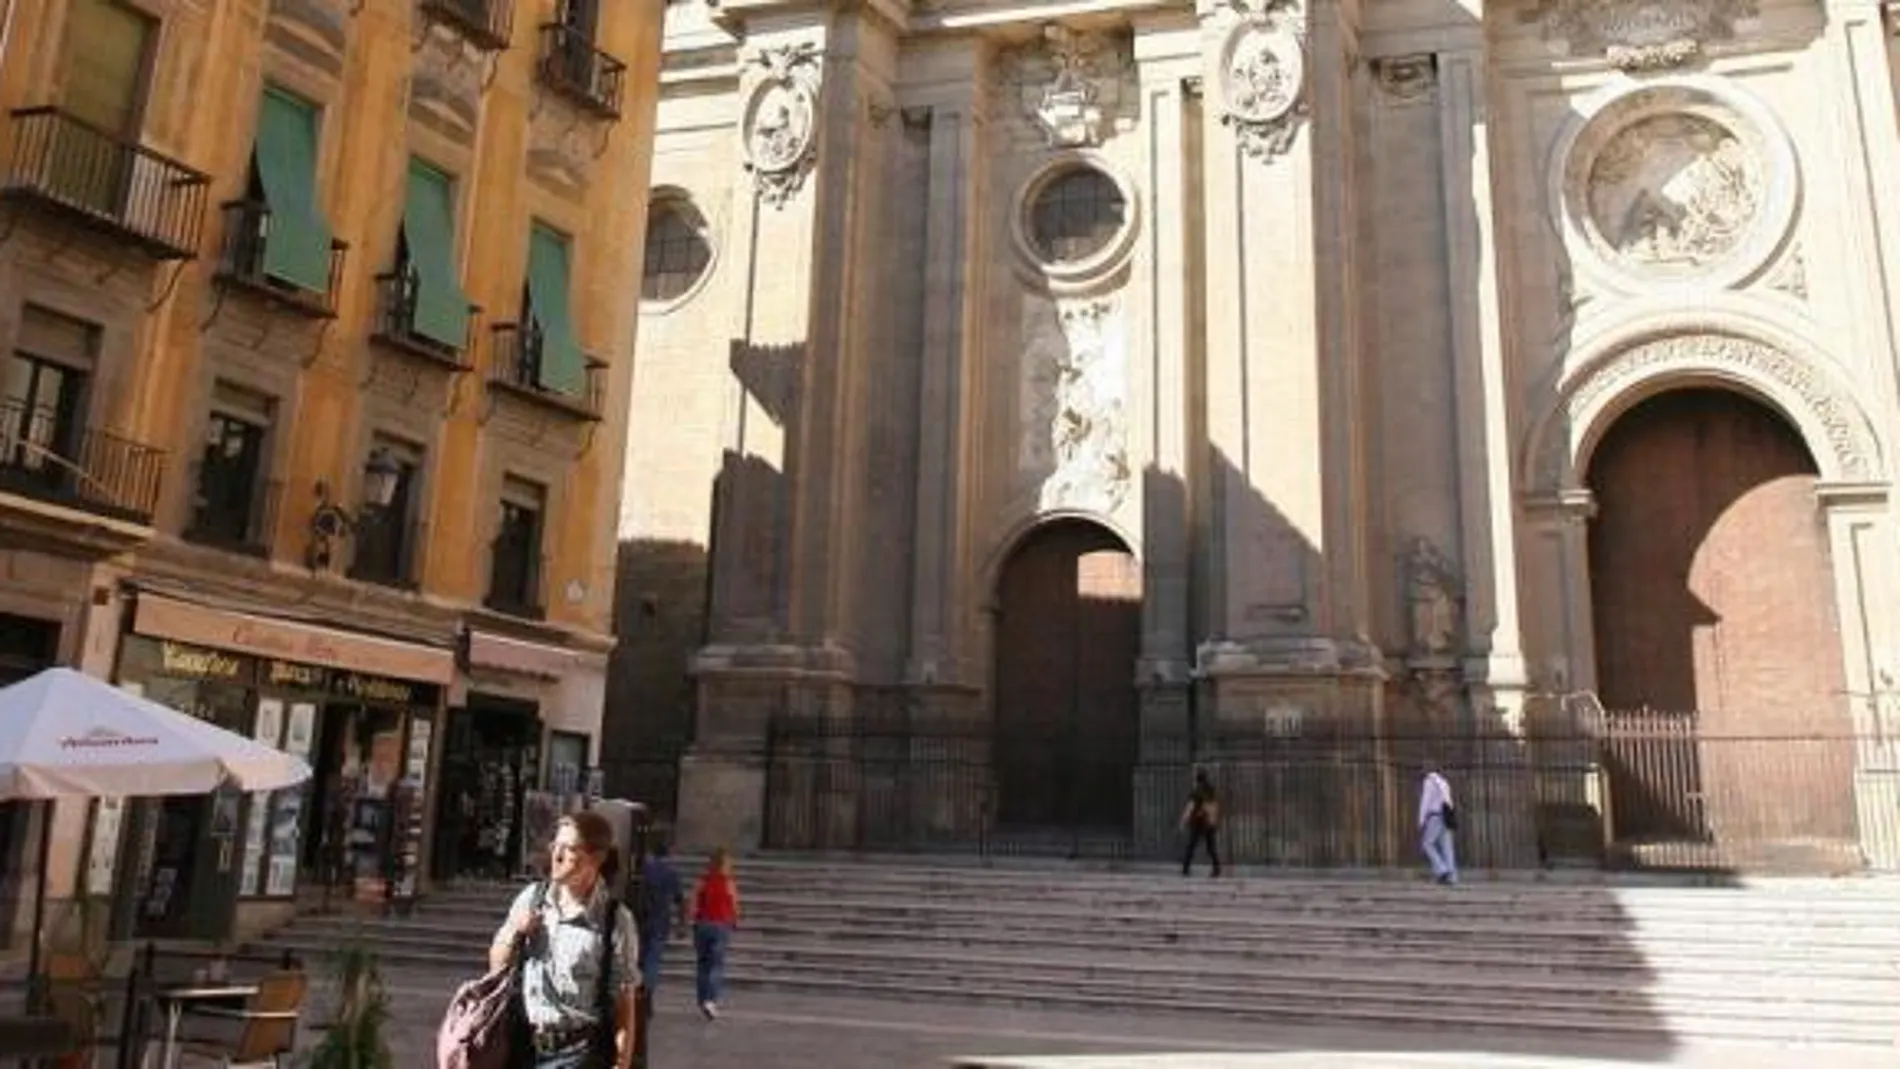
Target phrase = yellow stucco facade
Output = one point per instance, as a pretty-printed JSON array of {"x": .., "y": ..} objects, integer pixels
[{"x": 203, "y": 449}]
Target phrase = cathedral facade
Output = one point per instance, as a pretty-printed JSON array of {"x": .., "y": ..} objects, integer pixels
[{"x": 1038, "y": 400}]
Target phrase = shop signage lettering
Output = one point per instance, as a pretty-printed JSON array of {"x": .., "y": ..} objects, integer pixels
[
  {"x": 286, "y": 674},
  {"x": 290, "y": 645},
  {"x": 191, "y": 661},
  {"x": 103, "y": 738},
  {"x": 373, "y": 689}
]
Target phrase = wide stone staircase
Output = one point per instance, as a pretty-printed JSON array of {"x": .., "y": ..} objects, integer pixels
[{"x": 1805, "y": 960}]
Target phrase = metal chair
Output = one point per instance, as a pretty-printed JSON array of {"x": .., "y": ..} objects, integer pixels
[{"x": 260, "y": 1035}]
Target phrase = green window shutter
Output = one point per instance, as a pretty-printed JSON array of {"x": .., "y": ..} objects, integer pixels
[
  {"x": 428, "y": 223},
  {"x": 563, "y": 367},
  {"x": 297, "y": 248}
]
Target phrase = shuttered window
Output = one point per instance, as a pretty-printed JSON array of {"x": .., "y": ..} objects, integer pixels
[
  {"x": 297, "y": 245},
  {"x": 108, "y": 45},
  {"x": 563, "y": 368},
  {"x": 428, "y": 226}
]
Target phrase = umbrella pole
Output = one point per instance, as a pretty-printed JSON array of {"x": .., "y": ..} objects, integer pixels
[{"x": 36, "y": 986}]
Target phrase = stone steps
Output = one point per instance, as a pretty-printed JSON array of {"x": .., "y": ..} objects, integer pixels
[{"x": 1813, "y": 961}]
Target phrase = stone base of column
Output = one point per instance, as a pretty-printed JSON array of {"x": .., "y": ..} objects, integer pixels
[
  {"x": 1290, "y": 732},
  {"x": 721, "y": 802},
  {"x": 767, "y": 717},
  {"x": 1500, "y": 795}
]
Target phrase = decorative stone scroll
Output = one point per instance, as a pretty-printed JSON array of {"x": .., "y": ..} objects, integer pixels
[
  {"x": 1641, "y": 35},
  {"x": 781, "y": 120},
  {"x": 1263, "y": 80},
  {"x": 1813, "y": 402}
]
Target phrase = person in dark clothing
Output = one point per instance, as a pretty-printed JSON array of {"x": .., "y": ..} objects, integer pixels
[
  {"x": 1201, "y": 818},
  {"x": 665, "y": 896}
]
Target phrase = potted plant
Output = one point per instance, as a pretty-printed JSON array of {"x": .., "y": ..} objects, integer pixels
[{"x": 355, "y": 1038}]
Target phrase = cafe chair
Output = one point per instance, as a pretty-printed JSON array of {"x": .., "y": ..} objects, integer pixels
[
  {"x": 75, "y": 994},
  {"x": 259, "y": 1036}
]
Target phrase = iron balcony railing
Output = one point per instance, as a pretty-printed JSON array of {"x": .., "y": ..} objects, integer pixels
[
  {"x": 515, "y": 367},
  {"x": 107, "y": 182},
  {"x": 514, "y": 582},
  {"x": 388, "y": 551},
  {"x": 242, "y": 525},
  {"x": 488, "y": 24},
  {"x": 571, "y": 66},
  {"x": 247, "y": 229},
  {"x": 78, "y": 466},
  {"x": 396, "y": 295}
]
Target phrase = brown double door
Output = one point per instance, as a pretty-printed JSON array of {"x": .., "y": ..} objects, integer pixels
[
  {"x": 1067, "y": 638},
  {"x": 1713, "y": 598}
]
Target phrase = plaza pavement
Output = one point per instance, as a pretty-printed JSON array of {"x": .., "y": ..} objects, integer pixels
[{"x": 764, "y": 1031}]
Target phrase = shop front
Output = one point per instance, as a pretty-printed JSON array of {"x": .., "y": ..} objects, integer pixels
[
  {"x": 517, "y": 752},
  {"x": 362, "y": 709}
]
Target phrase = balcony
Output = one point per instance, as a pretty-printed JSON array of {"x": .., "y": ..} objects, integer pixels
[
  {"x": 77, "y": 468},
  {"x": 514, "y": 582},
  {"x": 488, "y": 24},
  {"x": 107, "y": 183},
  {"x": 388, "y": 551},
  {"x": 247, "y": 228},
  {"x": 243, "y": 527},
  {"x": 395, "y": 326},
  {"x": 571, "y": 66},
  {"x": 515, "y": 369}
]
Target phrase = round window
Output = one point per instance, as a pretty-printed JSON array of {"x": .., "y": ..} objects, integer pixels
[
  {"x": 676, "y": 252},
  {"x": 1076, "y": 215}
]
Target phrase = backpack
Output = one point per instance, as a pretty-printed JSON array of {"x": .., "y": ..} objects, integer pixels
[
  {"x": 603, "y": 997},
  {"x": 485, "y": 1020}
]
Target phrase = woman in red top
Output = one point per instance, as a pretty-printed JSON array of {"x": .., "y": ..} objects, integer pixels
[{"x": 715, "y": 915}]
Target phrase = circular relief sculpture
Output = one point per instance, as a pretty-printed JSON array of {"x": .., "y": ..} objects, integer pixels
[
  {"x": 1673, "y": 183},
  {"x": 1262, "y": 75}
]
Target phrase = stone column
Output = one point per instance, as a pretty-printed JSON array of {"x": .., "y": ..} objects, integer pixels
[
  {"x": 1285, "y": 652},
  {"x": 1167, "y": 54},
  {"x": 782, "y": 542},
  {"x": 1572, "y": 807},
  {"x": 1500, "y": 784},
  {"x": 1860, "y": 541},
  {"x": 942, "y": 670}
]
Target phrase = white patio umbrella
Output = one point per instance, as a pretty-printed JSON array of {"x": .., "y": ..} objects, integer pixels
[{"x": 64, "y": 734}]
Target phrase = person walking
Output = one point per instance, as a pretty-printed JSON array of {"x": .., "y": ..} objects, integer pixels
[
  {"x": 664, "y": 899},
  {"x": 1437, "y": 819},
  {"x": 578, "y": 949},
  {"x": 1201, "y": 818},
  {"x": 715, "y": 915}
]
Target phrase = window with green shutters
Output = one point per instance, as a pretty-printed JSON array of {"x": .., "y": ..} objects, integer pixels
[
  {"x": 440, "y": 309},
  {"x": 562, "y": 367},
  {"x": 297, "y": 243}
]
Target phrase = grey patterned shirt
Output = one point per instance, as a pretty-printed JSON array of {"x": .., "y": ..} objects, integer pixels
[{"x": 560, "y": 973}]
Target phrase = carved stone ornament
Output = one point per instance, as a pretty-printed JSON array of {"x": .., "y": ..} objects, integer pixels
[
  {"x": 1069, "y": 84},
  {"x": 1641, "y": 35},
  {"x": 1675, "y": 194},
  {"x": 446, "y": 78},
  {"x": 1813, "y": 401},
  {"x": 1075, "y": 394},
  {"x": 562, "y": 148},
  {"x": 1406, "y": 78},
  {"x": 1690, "y": 185},
  {"x": 1263, "y": 87},
  {"x": 1432, "y": 598},
  {"x": 1791, "y": 275},
  {"x": 781, "y": 120}
]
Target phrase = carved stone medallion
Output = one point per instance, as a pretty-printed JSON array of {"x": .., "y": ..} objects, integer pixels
[
  {"x": 1675, "y": 185},
  {"x": 1674, "y": 194},
  {"x": 781, "y": 120},
  {"x": 1069, "y": 84},
  {"x": 1263, "y": 80}
]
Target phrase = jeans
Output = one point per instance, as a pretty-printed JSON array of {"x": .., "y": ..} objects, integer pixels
[
  {"x": 1199, "y": 833},
  {"x": 1436, "y": 841},
  {"x": 709, "y": 941},
  {"x": 652, "y": 949},
  {"x": 579, "y": 1058}
]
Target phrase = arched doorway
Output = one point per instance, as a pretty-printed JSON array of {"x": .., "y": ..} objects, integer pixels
[
  {"x": 1717, "y": 640},
  {"x": 1068, "y": 633}
]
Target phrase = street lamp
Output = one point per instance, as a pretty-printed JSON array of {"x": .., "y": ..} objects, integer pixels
[{"x": 330, "y": 521}]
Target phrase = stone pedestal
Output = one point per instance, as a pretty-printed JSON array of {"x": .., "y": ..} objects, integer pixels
[{"x": 721, "y": 801}]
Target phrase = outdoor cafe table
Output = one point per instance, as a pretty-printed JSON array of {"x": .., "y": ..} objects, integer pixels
[{"x": 177, "y": 999}]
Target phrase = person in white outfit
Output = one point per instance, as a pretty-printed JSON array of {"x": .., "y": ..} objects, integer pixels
[{"x": 1436, "y": 821}]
